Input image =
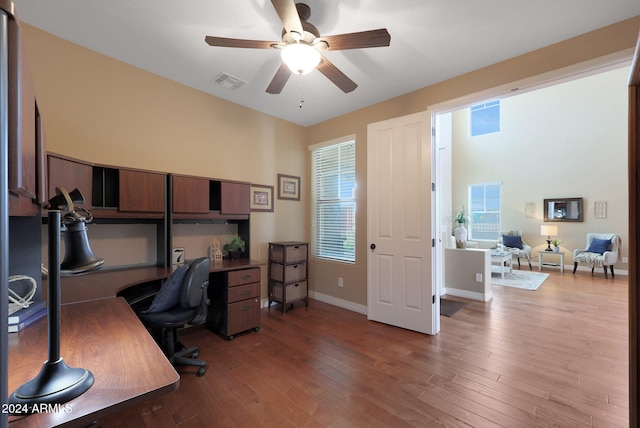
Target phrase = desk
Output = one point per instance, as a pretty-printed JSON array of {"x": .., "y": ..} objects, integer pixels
[
  {"x": 109, "y": 282},
  {"x": 551, "y": 253},
  {"x": 106, "y": 338}
]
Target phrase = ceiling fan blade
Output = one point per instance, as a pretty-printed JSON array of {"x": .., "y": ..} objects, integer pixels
[
  {"x": 288, "y": 14},
  {"x": 363, "y": 39},
  {"x": 239, "y": 43},
  {"x": 280, "y": 78},
  {"x": 336, "y": 76}
]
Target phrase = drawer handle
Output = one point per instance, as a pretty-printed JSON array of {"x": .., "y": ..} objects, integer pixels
[
  {"x": 245, "y": 308},
  {"x": 295, "y": 285},
  {"x": 246, "y": 292},
  {"x": 246, "y": 276},
  {"x": 296, "y": 247},
  {"x": 295, "y": 266}
]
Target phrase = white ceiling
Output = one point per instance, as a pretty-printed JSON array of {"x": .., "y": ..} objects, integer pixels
[{"x": 431, "y": 41}]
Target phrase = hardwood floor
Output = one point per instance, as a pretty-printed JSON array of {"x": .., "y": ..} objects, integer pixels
[{"x": 555, "y": 357}]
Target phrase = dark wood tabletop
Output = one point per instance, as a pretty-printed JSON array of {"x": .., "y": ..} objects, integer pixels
[{"x": 105, "y": 337}]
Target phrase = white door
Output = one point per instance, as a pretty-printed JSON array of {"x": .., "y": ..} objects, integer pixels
[{"x": 400, "y": 284}]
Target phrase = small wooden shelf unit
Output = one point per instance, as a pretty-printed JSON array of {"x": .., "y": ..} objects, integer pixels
[{"x": 288, "y": 272}]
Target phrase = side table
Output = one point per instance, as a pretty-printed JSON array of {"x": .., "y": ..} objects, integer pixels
[{"x": 541, "y": 262}]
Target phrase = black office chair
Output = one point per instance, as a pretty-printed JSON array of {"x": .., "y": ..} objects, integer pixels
[{"x": 181, "y": 300}]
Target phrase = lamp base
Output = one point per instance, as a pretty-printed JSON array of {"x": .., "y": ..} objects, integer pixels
[
  {"x": 548, "y": 246},
  {"x": 56, "y": 383}
]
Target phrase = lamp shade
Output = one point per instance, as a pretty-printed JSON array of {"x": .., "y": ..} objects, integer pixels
[
  {"x": 301, "y": 58},
  {"x": 549, "y": 230}
]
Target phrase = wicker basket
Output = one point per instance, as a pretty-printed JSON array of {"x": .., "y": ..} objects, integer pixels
[
  {"x": 289, "y": 253},
  {"x": 288, "y": 273},
  {"x": 296, "y": 291}
]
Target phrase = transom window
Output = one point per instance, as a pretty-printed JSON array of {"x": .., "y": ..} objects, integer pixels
[{"x": 484, "y": 118}]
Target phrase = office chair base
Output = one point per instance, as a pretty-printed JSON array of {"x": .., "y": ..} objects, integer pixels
[{"x": 188, "y": 357}]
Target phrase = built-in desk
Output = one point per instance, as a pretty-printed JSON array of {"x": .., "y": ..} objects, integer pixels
[
  {"x": 101, "y": 333},
  {"x": 109, "y": 282},
  {"x": 106, "y": 338}
]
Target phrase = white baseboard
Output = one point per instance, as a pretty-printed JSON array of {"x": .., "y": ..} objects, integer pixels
[
  {"x": 569, "y": 269},
  {"x": 341, "y": 303},
  {"x": 467, "y": 294}
]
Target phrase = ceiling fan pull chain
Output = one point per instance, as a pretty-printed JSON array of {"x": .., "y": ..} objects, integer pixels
[{"x": 301, "y": 91}]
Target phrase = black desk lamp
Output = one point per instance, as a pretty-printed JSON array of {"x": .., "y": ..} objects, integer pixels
[{"x": 58, "y": 383}]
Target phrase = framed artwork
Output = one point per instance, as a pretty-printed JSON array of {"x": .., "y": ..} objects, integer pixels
[
  {"x": 261, "y": 198},
  {"x": 288, "y": 187}
]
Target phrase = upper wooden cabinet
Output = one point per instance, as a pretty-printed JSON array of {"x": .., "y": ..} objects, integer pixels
[
  {"x": 190, "y": 195},
  {"x": 26, "y": 136},
  {"x": 197, "y": 197},
  {"x": 70, "y": 174},
  {"x": 235, "y": 198},
  {"x": 127, "y": 193},
  {"x": 110, "y": 192},
  {"x": 142, "y": 191}
]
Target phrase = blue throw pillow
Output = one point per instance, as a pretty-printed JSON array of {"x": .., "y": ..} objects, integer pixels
[
  {"x": 512, "y": 241},
  {"x": 599, "y": 246},
  {"x": 168, "y": 295}
]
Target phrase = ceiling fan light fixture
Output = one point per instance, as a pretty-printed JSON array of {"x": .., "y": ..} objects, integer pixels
[{"x": 301, "y": 58}]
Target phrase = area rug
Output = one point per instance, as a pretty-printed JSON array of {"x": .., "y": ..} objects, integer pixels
[
  {"x": 524, "y": 279},
  {"x": 450, "y": 307}
]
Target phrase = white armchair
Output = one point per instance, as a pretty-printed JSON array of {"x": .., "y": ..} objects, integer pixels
[
  {"x": 510, "y": 240},
  {"x": 601, "y": 251}
]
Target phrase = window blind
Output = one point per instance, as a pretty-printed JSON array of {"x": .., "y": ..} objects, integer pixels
[{"x": 333, "y": 184}]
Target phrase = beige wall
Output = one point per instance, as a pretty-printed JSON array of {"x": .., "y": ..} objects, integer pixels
[
  {"x": 600, "y": 43},
  {"x": 104, "y": 111},
  {"x": 567, "y": 140}
]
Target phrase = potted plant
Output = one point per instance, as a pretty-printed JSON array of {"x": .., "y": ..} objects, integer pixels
[
  {"x": 460, "y": 232},
  {"x": 556, "y": 245},
  {"x": 234, "y": 247}
]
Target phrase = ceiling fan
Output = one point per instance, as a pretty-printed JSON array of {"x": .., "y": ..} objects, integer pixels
[{"x": 301, "y": 46}]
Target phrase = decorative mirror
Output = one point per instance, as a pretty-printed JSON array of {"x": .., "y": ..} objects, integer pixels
[{"x": 563, "y": 209}]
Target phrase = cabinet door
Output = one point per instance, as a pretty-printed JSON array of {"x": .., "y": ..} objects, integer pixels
[
  {"x": 141, "y": 191},
  {"x": 243, "y": 316},
  {"x": 70, "y": 175},
  {"x": 22, "y": 119},
  {"x": 190, "y": 195},
  {"x": 234, "y": 198}
]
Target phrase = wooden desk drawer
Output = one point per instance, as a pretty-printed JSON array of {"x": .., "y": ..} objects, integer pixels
[
  {"x": 243, "y": 276},
  {"x": 243, "y": 292},
  {"x": 243, "y": 316}
]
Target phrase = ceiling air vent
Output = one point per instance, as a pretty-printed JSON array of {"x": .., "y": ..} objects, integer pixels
[{"x": 228, "y": 81}]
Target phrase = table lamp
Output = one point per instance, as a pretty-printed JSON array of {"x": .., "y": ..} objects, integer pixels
[
  {"x": 548, "y": 231},
  {"x": 57, "y": 383}
]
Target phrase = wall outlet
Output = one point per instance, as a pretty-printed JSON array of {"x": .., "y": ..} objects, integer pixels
[
  {"x": 478, "y": 277},
  {"x": 625, "y": 260},
  {"x": 340, "y": 282}
]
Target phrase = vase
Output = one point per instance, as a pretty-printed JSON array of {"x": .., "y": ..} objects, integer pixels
[
  {"x": 556, "y": 249},
  {"x": 460, "y": 232},
  {"x": 235, "y": 255}
]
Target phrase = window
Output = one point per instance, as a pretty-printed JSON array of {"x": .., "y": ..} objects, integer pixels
[
  {"x": 333, "y": 184},
  {"x": 484, "y": 210},
  {"x": 485, "y": 118}
]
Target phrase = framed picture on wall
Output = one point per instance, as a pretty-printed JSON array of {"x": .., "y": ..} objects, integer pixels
[
  {"x": 261, "y": 198},
  {"x": 288, "y": 187}
]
